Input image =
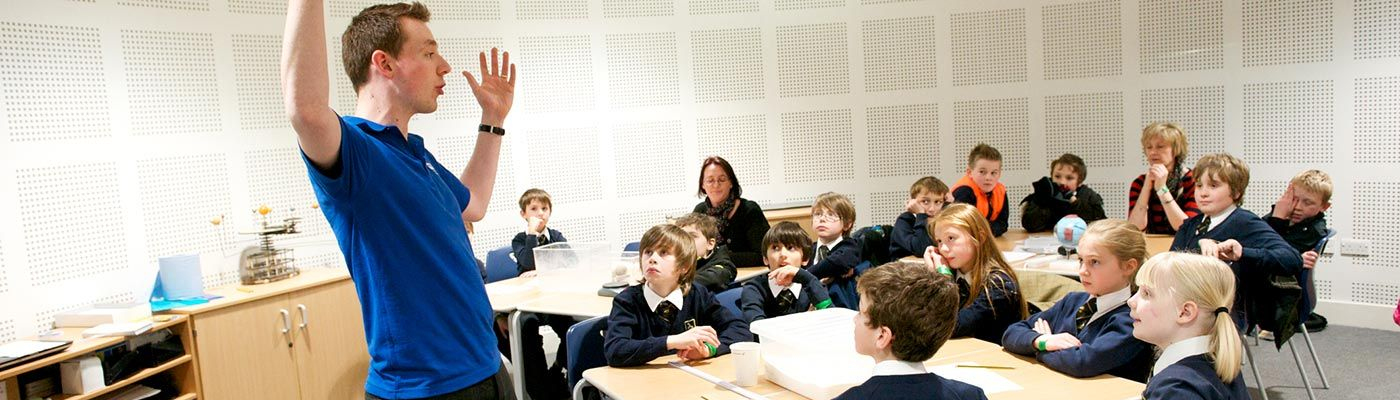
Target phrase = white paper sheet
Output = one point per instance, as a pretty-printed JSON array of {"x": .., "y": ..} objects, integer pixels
[{"x": 987, "y": 379}]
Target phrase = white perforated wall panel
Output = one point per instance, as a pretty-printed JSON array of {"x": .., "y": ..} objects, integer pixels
[
  {"x": 1287, "y": 32},
  {"x": 1086, "y": 125},
  {"x": 55, "y": 82},
  {"x": 886, "y": 206},
  {"x": 180, "y": 196},
  {"x": 1289, "y": 122},
  {"x": 638, "y": 8},
  {"x": 256, "y": 63},
  {"x": 565, "y": 163},
  {"x": 633, "y": 223},
  {"x": 1181, "y": 35},
  {"x": 899, "y": 54},
  {"x": 64, "y": 205},
  {"x": 989, "y": 47},
  {"x": 813, "y": 60},
  {"x": 1377, "y": 32},
  {"x": 902, "y": 140},
  {"x": 1200, "y": 111},
  {"x": 728, "y": 64},
  {"x": 1377, "y": 119},
  {"x": 1000, "y": 123},
  {"x": 817, "y": 146},
  {"x": 560, "y": 70},
  {"x": 639, "y": 172},
  {"x": 167, "y": 77},
  {"x": 643, "y": 66},
  {"x": 1083, "y": 39},
  {"x": 742, "y": 140},
  {"x": 1374, "y": 212},
  {"x": 715, "y": 7}
]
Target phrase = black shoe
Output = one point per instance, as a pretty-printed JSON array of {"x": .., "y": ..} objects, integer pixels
[{"x": 1315, "y": 323}]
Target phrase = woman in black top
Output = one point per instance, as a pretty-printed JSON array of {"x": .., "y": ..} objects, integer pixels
[{"x": 741, "y": 222}]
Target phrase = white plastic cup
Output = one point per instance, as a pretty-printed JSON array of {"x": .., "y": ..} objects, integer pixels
[{"x": 746, "y": 363}]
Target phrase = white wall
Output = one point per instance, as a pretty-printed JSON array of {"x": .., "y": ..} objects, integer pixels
[{"x": 127, "y": 124}]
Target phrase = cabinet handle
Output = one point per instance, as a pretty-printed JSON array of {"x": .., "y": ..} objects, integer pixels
[
  {"x": 286, "y": 325},
  {"x": 304, "y": 321}
]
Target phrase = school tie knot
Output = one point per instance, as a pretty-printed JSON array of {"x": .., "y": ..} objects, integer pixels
[
  {"x": 1203, "y": 227},
  {"x": 786, "y": 299},
  {"x": 543, "y": 240},
  {"x": 1086, "y": 312},
  {"x": 667, "y": 311},
  {"x": 822, "y": 252}
]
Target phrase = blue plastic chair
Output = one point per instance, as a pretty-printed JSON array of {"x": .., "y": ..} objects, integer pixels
[
  {"x": 584, "y": 346},
  {"x": 500, "y": 265},
  {"x": 730, "y": 300},
  {"x": 634, "y": 246}
]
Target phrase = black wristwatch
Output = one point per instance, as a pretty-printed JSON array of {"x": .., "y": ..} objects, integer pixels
[{"x": 493, "y": 129}]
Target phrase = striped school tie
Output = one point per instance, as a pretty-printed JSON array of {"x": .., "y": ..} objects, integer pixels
[{"x": 1086, "y": 312}]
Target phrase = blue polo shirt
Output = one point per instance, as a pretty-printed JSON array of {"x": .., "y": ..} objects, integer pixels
[{"x": 396, "y": 213}]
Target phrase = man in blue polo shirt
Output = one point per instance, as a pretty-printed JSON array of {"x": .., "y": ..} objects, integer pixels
[{"x": 397, "y": 213}]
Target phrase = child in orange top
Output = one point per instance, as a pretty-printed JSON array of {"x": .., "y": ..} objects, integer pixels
[{"x": 981, "y": 187}]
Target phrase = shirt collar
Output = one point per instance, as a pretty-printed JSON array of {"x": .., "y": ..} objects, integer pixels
[
  {"x": 1216, "y": 220},
  {"x": 1180, "y": 350},
  {"x": 898, "y": 367},
  {"x": 832, "y": 245},
  {"x": 654, "y": 299},
  {"x": 1111, "y": 301},
  {"x": 794, "y": 287}
]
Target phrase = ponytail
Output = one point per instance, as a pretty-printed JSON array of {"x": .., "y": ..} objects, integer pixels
[
  {"x": 1208, "y": 282},
  {"x": 1225, "y": 346}
]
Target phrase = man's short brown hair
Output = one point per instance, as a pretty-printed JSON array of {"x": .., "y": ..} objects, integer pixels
[
  {"x": 533, "y": 195},
  {"x": 706, "y": 224},
  {"x": 1224, "y": 167},
  {"x": 375, "y": 28},
  {"x": 982, "y": 151},
  {"x": 928, "y": 184},
  {"x": 918, "y": 306},
  {"x": 1074, "y": 163}
]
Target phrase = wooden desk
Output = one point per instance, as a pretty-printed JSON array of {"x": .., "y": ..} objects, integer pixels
[
  {"x": 802, "y": 215},
  {"x": 1156, "y": 243},
  {"x": 1036, "y": 381}
]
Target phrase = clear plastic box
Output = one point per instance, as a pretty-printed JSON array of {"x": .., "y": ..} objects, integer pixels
[
  {"x": 812, "y": 353},
  {"x": 575, "y": 266}
]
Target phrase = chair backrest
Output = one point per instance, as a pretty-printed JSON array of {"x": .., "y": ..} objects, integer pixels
[
  {"x": 634, "y": 246},
  {"x": 730, "y": 299},
  {"x": 584, "y": 346},
  {"x": 500, "y": 265}
]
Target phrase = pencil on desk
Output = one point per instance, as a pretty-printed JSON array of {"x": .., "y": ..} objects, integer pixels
[{"x": 985, "y": 366}]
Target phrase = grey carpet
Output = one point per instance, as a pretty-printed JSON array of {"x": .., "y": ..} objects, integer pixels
[{"x": 1360, "y": 364}]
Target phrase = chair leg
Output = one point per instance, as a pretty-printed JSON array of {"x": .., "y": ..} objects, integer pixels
[
  {"x": 1317, "y": 362},
  {"x": 1299, "y": 362},
  {"x": 1249, "y": 355}
]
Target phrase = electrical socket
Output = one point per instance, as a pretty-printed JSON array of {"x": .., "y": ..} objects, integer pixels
[{"x": 1354, "y": 247}]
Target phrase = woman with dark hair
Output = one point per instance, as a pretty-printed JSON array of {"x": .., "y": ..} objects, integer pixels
[{"x": 741, "y": 222}]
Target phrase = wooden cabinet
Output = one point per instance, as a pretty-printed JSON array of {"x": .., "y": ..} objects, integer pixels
[
  {"x": 297, "y": 339},
  {"x": 180, "y": 371}
]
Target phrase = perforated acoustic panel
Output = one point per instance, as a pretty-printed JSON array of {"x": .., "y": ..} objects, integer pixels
[
  {"x": 277, "y": 178},
  {"x": 727, "y": 64},
  {"x": 1015, "y": 191},
  {"x": 551, "y": 9},
  {"x": 638, "y": 8},
  {"x": 262, "y": 7},
  {"x": 1181, "y": 35},
  {"x": 1377, "y": 30},
  {"x": 1374, "y": 293},
  {"x": 342, "y": 92},
  {"x": 1289, "y": 122},
  {"x": 1200, "y": 111},
  {"x": 454, "y": 149},
  {"x": 179, "y": 197},
  {"x": 902, "y": 140},
  {"x": 1114, "y": 192},
  {"x": 638, "y": 171},
  {"x": 632, "y": 224},
  {"x": 346, "y": 8},
  {"x": 1377, "y": 119},
  {"x": 55, "y": 82},
  {"x": 813, "y": 60},
  {"x": 463, "y": 53},
  {"x": 1087, "y": 125},
  {"x": 900, "y": 54},
  {"x": 885, "y": 207},
  {"x": 1324, "y": 287},
  {"x": 789, "y": 5},
  {"x": 742, "y": 140},
  {"x": 257, "y": 64},
  {"x": 486, "y": 239},
  {"x": 466, "y": 10},
  {"x": 7, "y": 331},
  {"x": 3, "y": 286},
  {"x": 583, "y": 229},
  {"x": 184, "y": 5},
  {"x": 989, "y": 47},
  {"x": 1000, "y": 123},
  {"x": 1261, "y": 194},
  {"x": 817, "y": 146},
  {"x": 713, "y": 7},
  {"x": 561, "y": 76},
  {"x": 643, "y": 71},
  {"x": 1374, "y": 212},
  {"x": 565, "y": 162},
  {"x": 1287, "y": 32},
  {"x": 167, "y": 76},
  {"x": 73, "y": 221},
  {"x": 1083, "y": 39}
]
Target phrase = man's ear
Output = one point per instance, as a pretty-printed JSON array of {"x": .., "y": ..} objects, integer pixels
[{"x": 381, "y": 63}]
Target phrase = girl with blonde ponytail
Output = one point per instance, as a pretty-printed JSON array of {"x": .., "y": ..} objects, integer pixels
[{"x": 1183, "y": 307}]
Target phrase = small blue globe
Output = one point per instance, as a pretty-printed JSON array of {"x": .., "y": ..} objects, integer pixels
[{"x": 1069, "y": 230}]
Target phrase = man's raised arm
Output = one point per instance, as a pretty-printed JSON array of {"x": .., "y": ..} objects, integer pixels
[{"x": 306, "y": 84}]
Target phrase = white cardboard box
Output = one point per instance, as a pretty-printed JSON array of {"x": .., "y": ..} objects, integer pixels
[
  {"x": 81, "y": 375},
  {"x": 103, "y": 314}
]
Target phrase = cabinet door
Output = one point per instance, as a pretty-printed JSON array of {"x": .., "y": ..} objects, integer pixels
[
  {"x": 332, "y": 357},
  {"x": 243, "y": 353}
]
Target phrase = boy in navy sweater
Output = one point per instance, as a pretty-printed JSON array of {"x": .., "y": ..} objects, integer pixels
[
  {"x": 906, "y": 315},
  {"x": 1090, "y": 333},
  {"x": 927, "y": 196},
  {"x": 546, "y": 382},
  {"x": 713, "y": 270},
  {"x": 981, "y": 187},
  {"x": 535, "y": 209},
  {"x": 668, "y": 311},
  {"x": 837, "y": 255},
  {"x": 787, "y": 288},
  {"x": 1234, "y": 235}
]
